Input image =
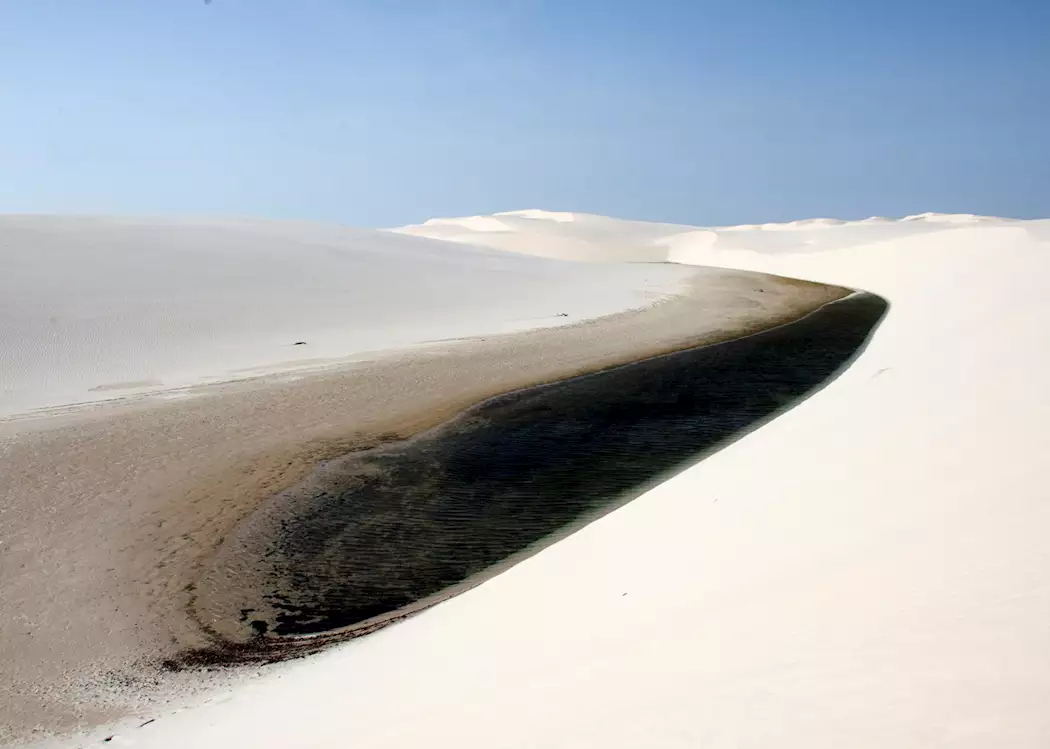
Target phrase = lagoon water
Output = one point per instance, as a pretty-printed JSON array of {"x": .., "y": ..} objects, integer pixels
[{"x": 380, "y": 531}]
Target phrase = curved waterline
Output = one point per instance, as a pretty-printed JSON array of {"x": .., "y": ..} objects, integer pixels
[{"x": 382, "y": 533}]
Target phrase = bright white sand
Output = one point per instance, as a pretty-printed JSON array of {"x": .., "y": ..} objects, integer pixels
[
  {"x": 97, "y": 308},
  {"x": 868, "y": 570}
]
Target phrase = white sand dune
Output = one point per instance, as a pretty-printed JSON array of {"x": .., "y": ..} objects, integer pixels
[
  {"x": 567, "y": 236},
  {"x": 868, "y": 570},
  {"x": 93, "y": 308}
]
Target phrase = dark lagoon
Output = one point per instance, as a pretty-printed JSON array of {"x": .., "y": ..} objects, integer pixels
[{"x": 386, "y": 531}]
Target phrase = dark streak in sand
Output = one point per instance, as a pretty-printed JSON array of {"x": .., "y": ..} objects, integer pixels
[{"x": 383, "y": 533}]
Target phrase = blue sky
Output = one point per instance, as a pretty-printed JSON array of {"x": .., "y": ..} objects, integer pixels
[{"x": 388, "y": 112}]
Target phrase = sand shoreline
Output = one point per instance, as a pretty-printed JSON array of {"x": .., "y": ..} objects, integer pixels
[{"x": 112, "y": 511}]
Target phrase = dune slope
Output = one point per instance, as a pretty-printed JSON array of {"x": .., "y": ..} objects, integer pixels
[{"x": 93, "y": 308}]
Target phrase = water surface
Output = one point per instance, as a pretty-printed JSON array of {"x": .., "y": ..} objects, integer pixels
[{"x": 384, "y": 529}]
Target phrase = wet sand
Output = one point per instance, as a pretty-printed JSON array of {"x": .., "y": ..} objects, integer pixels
[{"x": 111, "y": 514}]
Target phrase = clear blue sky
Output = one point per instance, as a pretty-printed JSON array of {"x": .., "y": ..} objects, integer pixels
[{"x": 390, "y": 111}]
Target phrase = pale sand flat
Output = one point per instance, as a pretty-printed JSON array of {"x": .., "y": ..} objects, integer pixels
[{"x": 109, "y": 512}]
